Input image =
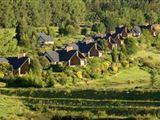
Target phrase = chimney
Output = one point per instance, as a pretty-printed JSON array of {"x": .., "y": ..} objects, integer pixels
[
  {"x": 121, "y": 25},
  {"x": 88, "y": 40},
  {"x": 112, "y": 32},
  {"x": 109, "y": 39},
  {"x": 69, "y": 48},
  {"x": 21, "y": 55},
  {"x": 118, "y": 36},
  {"x": 126, "y": 30}
]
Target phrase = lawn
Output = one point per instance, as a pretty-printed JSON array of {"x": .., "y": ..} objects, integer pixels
[
  {"x": 11, "y": 107},
  {"x": 154, "y": 54},
  {"x": 125, "y": 79}
]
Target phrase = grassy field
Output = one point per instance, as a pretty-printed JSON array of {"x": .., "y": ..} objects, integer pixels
[
  {"x": 9, "y": 107},
  {"x": 125, "y": 79}
]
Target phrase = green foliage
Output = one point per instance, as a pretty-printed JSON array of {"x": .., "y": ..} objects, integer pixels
[
  {"x": 115, "y": 57},
  {"x": 44, "y": 62},
  {"x": 8, "y": 45},
  {"x": 84, "y": 31},
  {"x": 99, "y": 28},
  {"x": 102, "y": 43},
  {"x": 70, "y": 30},
  {"x": 156, "y": 43},
  {"x": 131, "y": 46},
  {"x": 5, "y": 70}
]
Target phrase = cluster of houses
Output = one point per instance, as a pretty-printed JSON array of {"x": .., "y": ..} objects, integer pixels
[{"x": 76, "y": 54}]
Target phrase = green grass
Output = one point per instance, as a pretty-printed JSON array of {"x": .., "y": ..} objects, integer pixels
[
  {"x": 9, "y": 106},
  {"x": 125, "y": 79},
  {"x": 61, "y": 41}
]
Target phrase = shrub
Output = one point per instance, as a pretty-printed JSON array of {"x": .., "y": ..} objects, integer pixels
[
  {"x": 79, "y": 75},
  {"x": 114, "y": 68},
  {"x": 99, "y": 28},
  {"x": 70, "y": 30},
  {"x": 131, "y": 46},
  {"x": 63, "y": 79},
  {"x": 84, "y": 31},
  {"x": 125, "y": 64}
]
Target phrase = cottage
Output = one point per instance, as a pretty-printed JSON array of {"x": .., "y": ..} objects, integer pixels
[
  {"x": 93, "y": 50},
  {"x": 20, "y": 65},
  {"x": 122, "y": 31},
  {"x": 136, "y": 31},
  {"x": 52, "y": 56},
  {"x": 155, "y": 29},
  {"x": 44, "y": 39},
  {"x": 112, "y": 43},
  {"x": 115, "y": 41},
  {"x": 88, "y": 49},
  {"x": 69, "y": 57}
]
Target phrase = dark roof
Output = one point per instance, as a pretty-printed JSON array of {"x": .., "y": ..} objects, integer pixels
[
  {"x": 53, "y": 56},
  {"x": 120, "y": 29},
  {"x": 136, "y": 29},
  {"x": 60, "y": 55},
  {"x": 44, "y": 38},
  {"x": 3, "y": 60},
  {"x": 114, "y": 37},
  {"x": 85, "y": 48},
  {"x": 107, "y": 35},
  {"x": 17, "y": 62},
  {"x": 65, "y": 55}
]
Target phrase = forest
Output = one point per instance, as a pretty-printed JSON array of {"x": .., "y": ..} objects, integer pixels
[{"x": 41, "y": 13}]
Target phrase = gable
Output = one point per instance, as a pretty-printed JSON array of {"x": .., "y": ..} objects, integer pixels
[
  {"x": 44, "y": 38},
  {"x": 17, "y": 62}
]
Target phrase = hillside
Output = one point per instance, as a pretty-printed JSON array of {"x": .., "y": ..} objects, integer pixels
[{"x": 79, "y": 60}]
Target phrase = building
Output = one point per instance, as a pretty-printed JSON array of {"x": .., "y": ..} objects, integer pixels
[
  {"x": 20, "y": 65},
  {"x": 115, "y": 41},
  {"x": 136, "y": 31},
  {"x": 69, "y": 57},
  {"x": 122, "y": 31},
  {"x": 155, "y": 29},
  {"x": 44, "y": 39},
  {"x": 88, "y": 49}
]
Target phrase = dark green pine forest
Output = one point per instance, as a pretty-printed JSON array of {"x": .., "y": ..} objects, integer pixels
[{"x": 41, "y": 13}]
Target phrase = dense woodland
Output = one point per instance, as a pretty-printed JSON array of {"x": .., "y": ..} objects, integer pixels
[{"x": 41, "y": 13}]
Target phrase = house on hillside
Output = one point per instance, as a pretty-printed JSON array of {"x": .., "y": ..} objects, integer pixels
[
  {"x": 136, "y": 31},
  {"x": 122, "y": 31},
  {"x": 44, "y": 39},
  {"x": 88, "y": 49},
  {"x": 155, "y": 29},
  {"x": 68, "y": 57},
  {"x": 115, "y": 41},
  {"x": 20, "y": 65}
]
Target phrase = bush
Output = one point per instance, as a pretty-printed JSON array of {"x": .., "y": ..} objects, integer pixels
[
  {"x": 125, "y": 64},
  {"x": 44, "y": 62},
  {"x": 131, "y": 46},
  {"x": 29, "y": 80},
  {"x": 84, "y": 31},
  {"x": 99, "y": 28},
  {"x": 115, "y": 68},
  {"x": 70, "y": 30}
]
